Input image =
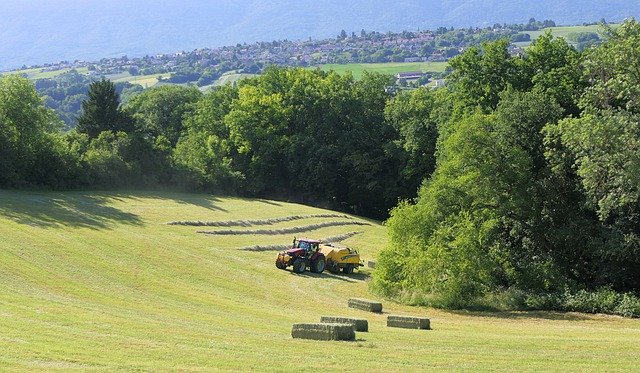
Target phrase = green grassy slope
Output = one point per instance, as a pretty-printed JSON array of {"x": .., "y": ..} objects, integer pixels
[
  {"x": 39, "y": 73},
  {"x": 230, "y": 77},
  {"x": 563, "y": 32},
  {"x": 146, "y": 81},
  {"x": 100, "y": 281}
]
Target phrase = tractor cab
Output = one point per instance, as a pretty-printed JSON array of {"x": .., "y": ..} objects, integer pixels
[
  {"x": 303, "y": 253},
  {"x": 305, "y": 246}
]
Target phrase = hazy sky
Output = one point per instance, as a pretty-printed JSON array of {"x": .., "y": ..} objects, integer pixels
[{"x": 40, "y": 31}]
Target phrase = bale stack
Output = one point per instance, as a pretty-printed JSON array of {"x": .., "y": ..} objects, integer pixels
[
  {"x": 324, "y": 332},
  {"x": 408, "y": 322},
  {"x": 360, "y": 325},
  {"x": 365, "y": 305}
]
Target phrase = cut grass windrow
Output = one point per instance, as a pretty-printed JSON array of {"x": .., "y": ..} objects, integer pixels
[
  {"x": 280, "y": 247},
  {"x": 250, "y": 223},
  {"x": 273, "y": 232}
]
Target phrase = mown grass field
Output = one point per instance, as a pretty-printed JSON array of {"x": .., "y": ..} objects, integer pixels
[
  {"x": 99, "y": 281},
  {"x": 358, "y": 69},
  {"x": 146, "y": 81},
  {"x": 563, "y": 32},
  {"x": 40, "y": 73},
  {"x": 232, "y": 77}
]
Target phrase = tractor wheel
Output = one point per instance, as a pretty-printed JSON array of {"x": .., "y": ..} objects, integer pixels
[
  {"x": 318, "y": 265},
  {"x": 333, "y": 267},
  {"x": 348, "y": 269},
  {"x": 299, "y": 265},
  {"x": 280, "y": 265}
]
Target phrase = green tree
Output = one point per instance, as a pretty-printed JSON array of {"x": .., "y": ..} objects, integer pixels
[
  {"x": 612, "y": 70},
  {"x": 446, "y": 246},
  {"x": 161, "y": 111},
  {"x": 104, "y": 160},
  {"x": 101, "y": 111},
  {"x": 31, "y": 148},
  {"x": 480, "y": 75},
  {"x": 553, "y": 67},
  {"x": 410, "y": 113},
  {"x": 205, "y": 152},
  {"x": 602, "y": 147},
  {"x": 306, "y": 134},
  {"x": 372, "y": 160}
]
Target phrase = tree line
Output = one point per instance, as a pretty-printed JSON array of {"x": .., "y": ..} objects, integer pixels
[
  {"x": 535, "y": 198},
  {"x": 525, "y": 167},
  {"x": 303, "y": 135}
]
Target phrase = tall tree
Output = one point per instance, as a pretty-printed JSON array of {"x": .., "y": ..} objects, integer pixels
[
  {"x": 161, "y": 111},
  {"x": 101, "y": 111},
  {"x": 480, "y": 75},
  {"x": 30, "y": 144},
  {"x": 553, "y": 67},
  {"x": 411, "y": 114},
  {"x": 604, "y": 146},
  {"x": 205, "y": 150},
  {"x": 446, "y": 245}
]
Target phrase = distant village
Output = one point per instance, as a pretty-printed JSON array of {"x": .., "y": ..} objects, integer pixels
[
  {"x": 64, "y": 85},
  {"x": 204, "y": 66}
]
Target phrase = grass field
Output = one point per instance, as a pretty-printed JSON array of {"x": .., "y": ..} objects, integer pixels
[
  {"x": 99, "y": 281},
  {"x": 39, "y": 73},
  {"x": 563, "y": 31},
  {"x": 357, "y": 69},
  {"x": 232, "y": 77},
  {"x": 146, "y": 81}
]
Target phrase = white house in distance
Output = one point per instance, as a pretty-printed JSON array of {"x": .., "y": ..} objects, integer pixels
[{"x": 409, "y": 75}]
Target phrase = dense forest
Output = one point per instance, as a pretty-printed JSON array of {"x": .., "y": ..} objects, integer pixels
[{"x": 517, "y": 185}]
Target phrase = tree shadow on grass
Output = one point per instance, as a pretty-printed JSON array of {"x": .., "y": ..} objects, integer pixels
[
  {"x": 50, "y": 210},
  {"x": 87, "y": 209},
  {"x": 354, "y": 277},
  {"x": 208, "y": 202},
  {"x": 515, "y": 315},
  {"x": 268, "y": 202}
]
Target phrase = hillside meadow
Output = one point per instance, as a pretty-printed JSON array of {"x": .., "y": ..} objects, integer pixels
[
  {"x": 100, "y": 281},
  {"x": 146, "y": 81},
  {"x": 566, "y": 31},
  {"x": 390, "y": 68}
]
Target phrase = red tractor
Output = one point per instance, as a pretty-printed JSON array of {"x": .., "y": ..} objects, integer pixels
[{"x": 304, "y": 253}]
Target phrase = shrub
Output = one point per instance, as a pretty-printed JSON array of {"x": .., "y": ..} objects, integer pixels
[
  {"x": 604, "y": 300},
  {"x": 629, "y": 306},
  {"x": 551, "y": 301}
]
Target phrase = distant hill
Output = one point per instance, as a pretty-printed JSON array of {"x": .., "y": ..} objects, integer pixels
[{"x": 40, "y": 31}]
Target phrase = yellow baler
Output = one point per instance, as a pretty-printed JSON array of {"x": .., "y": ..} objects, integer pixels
[{"x": 341, "y": 258}]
